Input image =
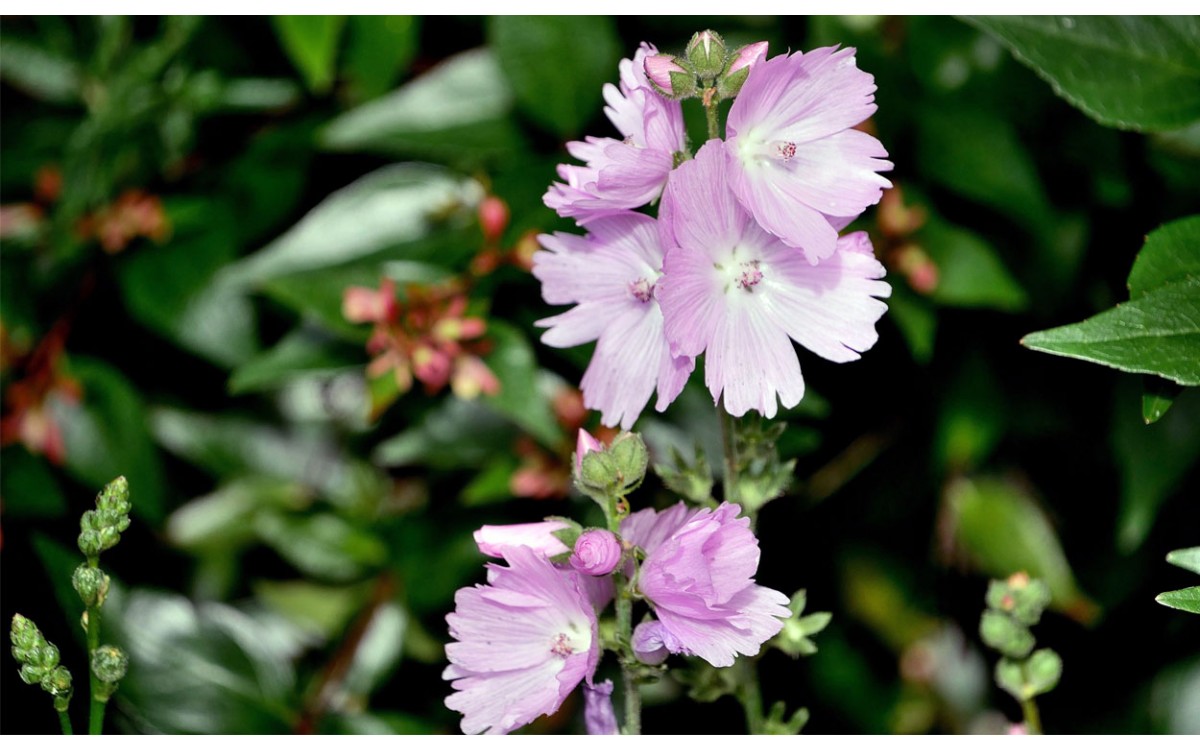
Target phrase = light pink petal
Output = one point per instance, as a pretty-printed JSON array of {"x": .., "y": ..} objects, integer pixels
[
  {"x": 624, "y": 368},
  {"x": 495, "y": 540},
  {"x": 838, "y": 175},
  {"x": 649, "y": 528},
  {"x": 750, "y": 360},
  {"x": 697, "y": 211},
  {"x": 719, "y": 640}
]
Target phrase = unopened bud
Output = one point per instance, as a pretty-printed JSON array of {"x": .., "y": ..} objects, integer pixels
[
  {"x": 493, "y": 217},
  {"x": 597, "y": 552},
  {"x": 57, "y": 681},
  {"x": 739, "y": 69},
  {"x": 115, "y": 497},
  {"x": 109, "y": 663},
  {"x": 584, "y": 444},
  {"x": 668, "y": 77},
  {"x": 706, "y": 53},
  {"x": 597, "y": 472},
  {"x": 629, "y": 456},
  {"x": 91, "y": 584}
]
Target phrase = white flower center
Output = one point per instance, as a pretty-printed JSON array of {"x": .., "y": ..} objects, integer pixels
[
  {"x": 642, "y": 289},
  {"x": 742, "y": 270},
  {"x": 572, "y": 639}
]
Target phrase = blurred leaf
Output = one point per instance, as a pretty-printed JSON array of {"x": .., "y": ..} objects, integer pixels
[
  {"x": 916, "y": 320},
  {"x": 379, "y": 51},
  {"x": 301, "y": 352},
  {"x": 1188, "y": 559},
  {"x": 107, "y": 434},
  {"x": 556, "y": 65},
  {"x": 1152, "y": 460},
  {"x": 324, "y": 610},
  {"x": 203, "y": 668},
  {"x": 264, "y": 184},
  {"x": 257, "y": 94},
  {"x": 58, "y": 563},
  {"x": 312, "y": 44},
  {"x": 970, "y": 274},
  {"x": 1004, "y": 532},
  {"x": 978, "y": 155},
  {"x": 520, "y": 398},
  {"x": 323, "y": 545},
  {"x": 378, "y": 723},
  {"x": 386, "y": 210},
  {"x": 378, "y": 652},
  {"x": 1157, "y": 333},
  {"x": 28, "y": 487},
  {"x": 428, "y": 588},
  {"x": 1157, "y": 397},
  {"x": 223, "y": 519},
  {"x": 456, "y": 434},
  {"x": 457, "y": 110},
  {"x": 169, "y": 288},
  {"x": 971, "y": 419},
  {"x": 1129, "y": 72},
  {"x": 492, "y": 484},
  {"x": 1171, "y": 254},
  {"x": 1186, "y": 599},
  {"x": 39, "y": 72}
]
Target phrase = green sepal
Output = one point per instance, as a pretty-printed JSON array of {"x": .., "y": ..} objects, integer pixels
[{"x": 1005, "y": 634}]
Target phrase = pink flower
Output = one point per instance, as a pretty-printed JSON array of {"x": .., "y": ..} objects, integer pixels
[
  {"x": 741, "y": 296},
  {"x": 598, "y": 714},
  {"x": 699, "y": 577},
  {"x": 649, "y": 642},
  {"x": 597, "y": 552},
  {"x": 611, "y": 275},
  {"x": 523, "y": 642},
  {"x": 796, "y": 164},
  {"x": 495, "y": 541},
  {"x": 628, "y": 173}
]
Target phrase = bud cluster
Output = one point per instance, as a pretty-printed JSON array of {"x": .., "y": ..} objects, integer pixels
[
  {"x": 706, "y": 68},
  {"x": 1014, "y": 605},
  {"x": 606, "y": 474},
  {"x": 91, "y": 584},
  {"x": 109, "y": 665},
  {"x": 39, "y": 661},
  {"x": 100, "y": 529}
]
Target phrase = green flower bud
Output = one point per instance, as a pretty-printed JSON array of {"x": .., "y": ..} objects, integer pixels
[
  {"x": 91, "y": 584},
  {"x": 597, "y": 473},
  {"x": 109, "y": 664},
  {"x": 629, "y": 458},
  {"x": 57, "y": 682},
  {"x": 32, "y": 674},
  {"x": 1042, "y": 671},
  {"x": 1011, "y": 678},
  {"x": 1006, "y": 635},
  {"x": 706, "y": 53},
  {"x": 115, "y": 497},
  {"x": 25, "y": 637},
  {"x": 101, "y": 529}
]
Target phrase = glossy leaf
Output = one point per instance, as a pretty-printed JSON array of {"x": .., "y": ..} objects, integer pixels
[
  {"x": 1157, "y": 397},
  {"x": 1171, "y": 254},
  {"x": 312, "y": 44},
  {"x": 556, "y": 64},
  {"x": 1129, "y": 72},
  {"x": 456, "y": 111}
]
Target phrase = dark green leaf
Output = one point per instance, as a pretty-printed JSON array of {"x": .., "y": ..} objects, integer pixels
[
  {"x": 39, "y": 72},
  {"x": 301, "y": 352},
  {"x": 459, "y": 109},
  {"x": 970, "y": 273},
  {"x": 1186, "y": 599},
  {"x": 379, "y": 51},
  {"x": 492, "y": 484},
  {"x": 557, "y": 65},
  {"x": 1171, "y": 254},
  {"x": 1157, "y": 333},
  {"x": 378, "y": 653},
  {"x": 107, "y": 435},
  {"x": 1130, "y": 72},
  {"x": 323, "y": 545},
  {"x": 520, "y": 398},
  {"x": 454, "y": 435},
  {"x": 1188, "y": 559},
  {"x": 324, "y": 610},
  {"x": 972, "y": 418},
  {"x": 312, "y": 43},
  {"x": 916, "y": 320},
  {"x": 1157, "y": 397},
  {"x": 28, "y": 487},
  {"x": 385, "y": 210}
]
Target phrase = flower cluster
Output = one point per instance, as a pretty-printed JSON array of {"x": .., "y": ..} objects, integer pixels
[
  {"x": 528, "y": 637},
  {"x": 744, "y": 257}
]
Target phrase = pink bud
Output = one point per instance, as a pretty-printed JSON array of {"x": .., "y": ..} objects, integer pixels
[
  {"x": 494, "y": 540},
  {"x": 659, "y": 69},
  {"x": 493, "y": 217},
  {"x": 584, "y": 445},
  {"x": 648, "y": 642},
  {"x": 748, "y": 55},
  {"x": 597, "y": 552}
]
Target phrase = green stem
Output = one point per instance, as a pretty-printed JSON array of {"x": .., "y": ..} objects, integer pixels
[
  {"x": 96, "y": 714},
  {"x": 1033, "y": 721},
  {"x": 624, "y": 604},
  {"x": 750, "y": 695},
  {"x": 714, "y": 123},
  {"x": 64, "y": 721}
]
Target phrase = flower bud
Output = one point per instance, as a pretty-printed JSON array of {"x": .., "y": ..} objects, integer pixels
[
  {"x": 740, "y": 63},
  {"x": 597, "y": 473},
  {"x": 109, "y": 663},
  {"x": 493, "y": 217},
  {"x": 706, "y": 53},
  {"x": 584, "y": 444},
  {"x": 57, "y": 681},
  {"x": 629, "y": 457},
  {"x": 91, "y": 584},
  {"x": 648, "y": 643},
  {"x": 597, "y": 552},
  {"x": 668, "y": 77}
]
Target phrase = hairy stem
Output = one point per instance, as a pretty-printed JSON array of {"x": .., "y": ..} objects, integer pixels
[
  {"x": 96, "y": 713},
  {"x": 624, "y": 604},
  {"x": 1033, "y": 721}
]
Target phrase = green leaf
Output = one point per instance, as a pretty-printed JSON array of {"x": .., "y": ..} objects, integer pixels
[
  {"x": 169, "y": 288},
  {"x": 1157, "y": 397},
  {"x": 456, "y": 111},
  {"x": 1186, "y": 599},
  {"x": 39, "y": 72},
  {"x": 378, "y": 653},
  {"x": 1152, "y": 461},
  {"x": 970, "y": 273},
  {"x": 456, "y": 434},
  {"x": 492, "y": 484},
  {"x": 520, "y": 398},
  {"x": 386, "y": 210},
  {"x": 301, "y": 352},
  {"x": 324, "y": 610},
  {"x": 916, "y": 320},
  {"x": 107, "y": 434},
  {"x": 1157, "y": 333},
  {"x": 312, "y": 43},
  {"x": 378, "y": 51},
  {"x": 324, "y": 546},
  {"x": 1171, "y": 254},
  {"x": 1188, "y": 559},
  {"x": 222, "y": 519},
  {"x": 1003, "y": 531},
  {"x": 28, "y": 487},
  {"x": 978, "y": 155},
  {"x": 1129, "y": 72},
  {"x": 556, "y": 65},
  {"x": 971, "y": 419}
]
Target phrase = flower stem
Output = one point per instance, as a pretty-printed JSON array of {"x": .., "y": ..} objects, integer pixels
[
  {"x": 624, "y": 605},
  {"x": 64, "y": 721},
  {"x": 1033, "y": 721},
  {"x": 750, "y": 694},
  {"x": 714, "y": 122},
  {"x": 729, "y": 444},
  {"x": 96, "y": 714}
]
